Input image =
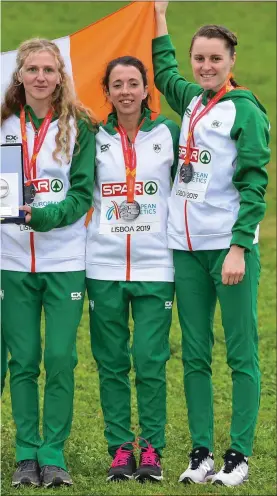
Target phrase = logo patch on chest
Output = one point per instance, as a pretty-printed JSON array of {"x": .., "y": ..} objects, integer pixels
[
  {"x": 157, "y": 147},
  {"x": 105, "y": 148},
  {"x": 216, "y": 124},
  {"x": 11, "y": 138}
]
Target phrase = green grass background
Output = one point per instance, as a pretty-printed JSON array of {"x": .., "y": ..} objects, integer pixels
[{"x": 254, "y": 24}]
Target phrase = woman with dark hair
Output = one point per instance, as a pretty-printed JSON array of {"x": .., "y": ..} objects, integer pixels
[
  {"x": 128, "y": 263},
  {"x": 216, "y": 204}
]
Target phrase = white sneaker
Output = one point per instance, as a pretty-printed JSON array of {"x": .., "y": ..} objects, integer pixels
[
  {"x": 201, "y": 467},
  {"x": 234, "y": 471}
]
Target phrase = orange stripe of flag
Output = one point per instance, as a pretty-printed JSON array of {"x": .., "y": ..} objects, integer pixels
[{"x": 129, "y": 31}]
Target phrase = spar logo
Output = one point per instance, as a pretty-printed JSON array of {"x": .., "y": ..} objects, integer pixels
[
  {"x": 194, "y": 153},
  {"x": 56, "y": 185},
  {"x": 120, "y": 189},
  {"x": 151, "y": 188},
  {"x": 41, "y": 185},
  {"x": 205, "y": 157},
  {"x": 46, "y": 186},
  {"x": 113, "y": 211}
]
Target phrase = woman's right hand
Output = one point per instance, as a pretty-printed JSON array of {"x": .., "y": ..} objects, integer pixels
[
  {"x": 161, "y": 25},
  {"x": 160, "y": 7}
]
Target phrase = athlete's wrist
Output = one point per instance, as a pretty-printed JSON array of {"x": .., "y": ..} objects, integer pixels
[{"x": 237, "y": 248}]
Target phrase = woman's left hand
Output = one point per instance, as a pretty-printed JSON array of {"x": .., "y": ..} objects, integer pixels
[
  {"x": 233, "y": 268},
  {"x": 28, "y": 211}
]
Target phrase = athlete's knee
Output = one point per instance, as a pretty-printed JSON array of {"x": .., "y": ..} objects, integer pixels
[
  {"x": 25, "y": 365},
  {"x": 197, "y": 364},
  {"x": 59, "y": 359},
  {"x": 149, "y": 364},
  {"x": 247, "y": 364}
]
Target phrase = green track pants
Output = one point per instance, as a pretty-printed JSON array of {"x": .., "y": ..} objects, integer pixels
[
  {"x": 61, "y": 294},
  {"x": 198, "y": 285},
  {"x": 151, "y": 304}
]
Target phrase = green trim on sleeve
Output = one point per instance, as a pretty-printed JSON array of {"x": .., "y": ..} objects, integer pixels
[
  {"x": 251, "y": 133},
  {"x": 79, "y": 196},
  {"x": 176, "y": 89}
]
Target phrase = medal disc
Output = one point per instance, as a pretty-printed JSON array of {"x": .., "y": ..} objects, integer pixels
[
  {"x": 129, "y": 211},
  {"x": 4, "y": 188},
  {"x": 29, "y": 193},
  {"x": 186, "y": 173}
]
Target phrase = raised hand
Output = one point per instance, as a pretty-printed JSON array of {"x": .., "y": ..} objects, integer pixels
[
  {"x": 160, "y": 7},
  {"x": 160, "y": 10}
]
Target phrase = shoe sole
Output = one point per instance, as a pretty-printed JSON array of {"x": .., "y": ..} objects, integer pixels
[
  {"x": 119, "y": 478},
  {"x": 188, "y": 480},
  {"x": 57, "y": 482},
  {"x": 150, "y": 478},
  {"x": 26, "y": 482},
  {"x": 220, "y": 483}
]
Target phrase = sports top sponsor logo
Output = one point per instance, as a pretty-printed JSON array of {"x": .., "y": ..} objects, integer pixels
[
  {"x": 11, "y": 138},
  {"x": 194, "y": 153},
  {"x": 120, "y": 189},
  {"x": 46, "y": 185}
]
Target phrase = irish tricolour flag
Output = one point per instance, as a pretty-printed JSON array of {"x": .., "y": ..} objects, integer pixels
[{"x": 129, "y": 31}]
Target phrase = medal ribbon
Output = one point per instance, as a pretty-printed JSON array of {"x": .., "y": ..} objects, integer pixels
[
  {"x": 192, "y": 123},
  {"x": 130, "y": 159},
  {"x": 39, "y": 138}
]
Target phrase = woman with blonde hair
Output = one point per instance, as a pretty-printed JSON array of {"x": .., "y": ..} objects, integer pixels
[{"x": 43, "y": 261}]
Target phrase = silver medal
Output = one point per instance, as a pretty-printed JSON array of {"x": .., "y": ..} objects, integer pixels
[
  {"x": 29, "y": 193},
  {"x": 4, "y": 188},
  {"x": 129, "y": 211},
  {"x": 186, "y": 173}
]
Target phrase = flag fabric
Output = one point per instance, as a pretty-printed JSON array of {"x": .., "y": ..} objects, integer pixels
[{"x": 128, "y": 31}]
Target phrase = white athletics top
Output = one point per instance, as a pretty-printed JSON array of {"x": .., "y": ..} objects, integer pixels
[
  {"x": 59, "y": 250},
  {"x": 122, "y": 249}
]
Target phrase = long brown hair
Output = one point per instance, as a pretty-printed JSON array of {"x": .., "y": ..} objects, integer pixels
[{"x": 64, "y": 102}]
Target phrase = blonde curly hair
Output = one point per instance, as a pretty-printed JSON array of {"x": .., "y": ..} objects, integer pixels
[{"x": 64, "y": 102}]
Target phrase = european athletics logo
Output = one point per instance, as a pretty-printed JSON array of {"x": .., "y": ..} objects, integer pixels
[{"x": 114, "y": 210}]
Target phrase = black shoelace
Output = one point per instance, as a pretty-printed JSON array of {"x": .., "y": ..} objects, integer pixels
[
  {"x": 231, "y": 460},
  {"x": 197, "y": 456}
]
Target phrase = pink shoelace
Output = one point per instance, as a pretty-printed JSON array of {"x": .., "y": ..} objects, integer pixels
[
  {"x": 121, "y": 456},
  {"x": 148, "y": 455}
]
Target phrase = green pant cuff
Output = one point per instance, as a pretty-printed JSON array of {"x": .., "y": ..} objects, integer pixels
[
  {"x": 51, "y": 457},
  {"x": 25, "y": 453}
]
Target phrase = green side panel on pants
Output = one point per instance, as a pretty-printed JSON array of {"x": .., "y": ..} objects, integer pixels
[
  {"x": 151, "y": 305},
  {"x": 61, "y": 294},
  {"x": 198, "y": 285}
]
